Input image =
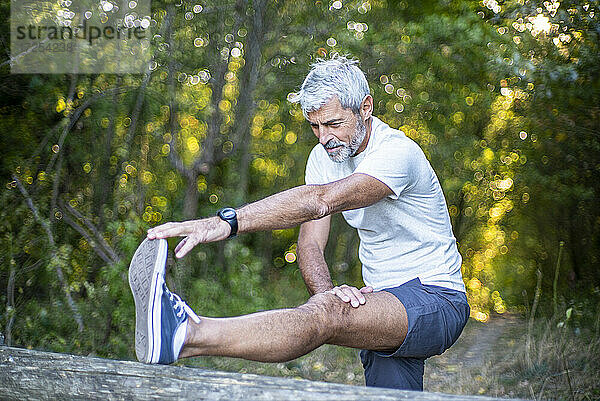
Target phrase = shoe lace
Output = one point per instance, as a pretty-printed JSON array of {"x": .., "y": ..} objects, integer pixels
[{"x": 181, "y": 307}]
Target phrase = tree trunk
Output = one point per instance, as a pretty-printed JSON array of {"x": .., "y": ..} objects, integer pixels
[
  {"x": 27, "y": 375},
  {"x": 103, "y": 189},
  {"x": 246, "y": 100},
  {"x": 192, "y": 196}
]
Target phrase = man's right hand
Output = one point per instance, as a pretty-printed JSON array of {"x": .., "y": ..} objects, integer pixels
[
  {"x": 351, "y": 295},
  {"x": 195, "y": 232}
]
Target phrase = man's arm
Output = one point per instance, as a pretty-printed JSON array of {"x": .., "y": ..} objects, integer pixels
[
  {"x": 312, "y": 240},
  {"x": 311, "y": 247},
  {"x": 282, "y": 210},
  {"x": 310, "y": 202}
]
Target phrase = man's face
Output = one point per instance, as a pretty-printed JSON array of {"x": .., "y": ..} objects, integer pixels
[{"x": 340, "y": 131}]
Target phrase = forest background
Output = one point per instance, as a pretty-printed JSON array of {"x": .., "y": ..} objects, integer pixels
[{"x": 503, "y": 97}]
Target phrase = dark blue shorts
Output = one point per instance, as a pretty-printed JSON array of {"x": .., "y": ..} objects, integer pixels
[{"x": 436, "y": 317}]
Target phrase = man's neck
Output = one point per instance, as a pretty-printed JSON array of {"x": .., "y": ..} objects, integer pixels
[{"x": 365, "y": 142}]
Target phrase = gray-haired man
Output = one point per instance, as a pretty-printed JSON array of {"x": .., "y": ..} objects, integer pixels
[{"x": 414, "y": 305}]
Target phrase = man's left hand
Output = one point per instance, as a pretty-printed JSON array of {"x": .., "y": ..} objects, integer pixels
[{"x": 351, "y": 295}]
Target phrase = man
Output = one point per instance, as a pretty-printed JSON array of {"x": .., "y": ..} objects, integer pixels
[{"x": 414, "y": 305}]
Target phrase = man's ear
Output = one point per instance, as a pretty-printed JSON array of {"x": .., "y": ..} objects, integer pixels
[{"x": 366, "y": 107}]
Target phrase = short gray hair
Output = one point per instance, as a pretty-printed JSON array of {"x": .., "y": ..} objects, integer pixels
[{"x": 338, "y": 76}]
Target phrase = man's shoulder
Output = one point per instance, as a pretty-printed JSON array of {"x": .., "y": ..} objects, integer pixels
[{"x": 390, "y": 138}]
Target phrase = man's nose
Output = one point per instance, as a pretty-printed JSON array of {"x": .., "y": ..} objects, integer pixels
[{"x": 324, "y": 135}]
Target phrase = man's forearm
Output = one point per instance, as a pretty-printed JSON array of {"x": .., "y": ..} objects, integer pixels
[
  {"x": 283, "y": 210},
  {"x": 314, "y": 269},
  {"x": 310, "y": 202}
]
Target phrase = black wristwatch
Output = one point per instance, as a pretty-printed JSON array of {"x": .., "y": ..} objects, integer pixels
[{"x": 229, "y": 215}]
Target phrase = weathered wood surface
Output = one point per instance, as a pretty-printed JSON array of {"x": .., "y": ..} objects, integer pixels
[{"x": 36, "y": 375}]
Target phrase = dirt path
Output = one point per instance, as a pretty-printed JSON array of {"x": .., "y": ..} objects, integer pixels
[{"x": 462, "y": 369}]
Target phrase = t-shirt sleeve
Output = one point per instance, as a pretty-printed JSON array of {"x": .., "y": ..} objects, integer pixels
[
  {"x": 313, "y": 174},
  {"x": 396, "y": 165}
]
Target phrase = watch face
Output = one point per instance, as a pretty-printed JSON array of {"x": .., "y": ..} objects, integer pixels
[{"x": 228, "y": 213}]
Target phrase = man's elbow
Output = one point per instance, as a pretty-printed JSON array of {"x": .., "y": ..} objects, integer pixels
[{"x": 319, "y": 206}]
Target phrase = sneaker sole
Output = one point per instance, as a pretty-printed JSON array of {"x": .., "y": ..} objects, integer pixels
[{"x": 146, "y": 275}]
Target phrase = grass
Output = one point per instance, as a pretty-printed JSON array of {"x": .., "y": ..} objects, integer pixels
[{"x": 563, "y": 363}]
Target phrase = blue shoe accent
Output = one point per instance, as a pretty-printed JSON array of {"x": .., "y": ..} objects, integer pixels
[{"x": 174, "y": 312}]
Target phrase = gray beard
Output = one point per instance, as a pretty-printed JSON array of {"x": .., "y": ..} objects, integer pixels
[{"x": 347, "y": 150}]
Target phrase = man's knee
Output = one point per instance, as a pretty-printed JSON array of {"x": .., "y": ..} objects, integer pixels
[
  {"x": 326, "y": 302},
  {"x": 328, "y": 309}
]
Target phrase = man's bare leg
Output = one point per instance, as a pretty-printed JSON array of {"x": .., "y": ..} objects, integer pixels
[{"x": 284, "y": 334}]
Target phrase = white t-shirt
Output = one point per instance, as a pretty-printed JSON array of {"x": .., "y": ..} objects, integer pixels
[{"x": 407, "y": 234}]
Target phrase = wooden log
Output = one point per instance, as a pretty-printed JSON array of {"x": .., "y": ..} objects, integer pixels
[{"x": 36, "y": 375}]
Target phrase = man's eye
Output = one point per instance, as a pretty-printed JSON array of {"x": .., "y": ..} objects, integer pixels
[{"x": 335, "y": 125}]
